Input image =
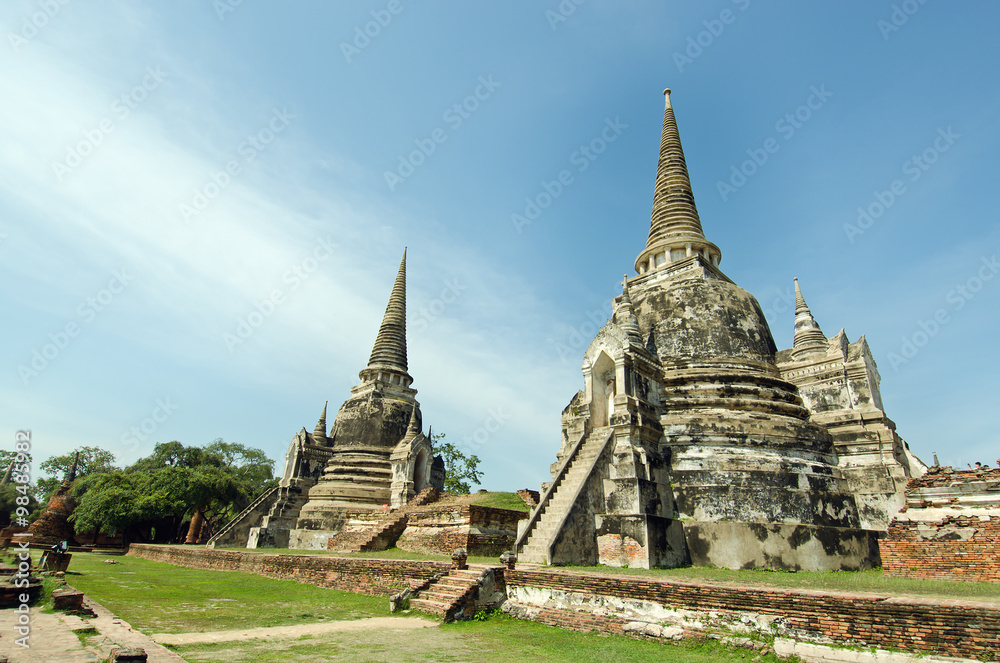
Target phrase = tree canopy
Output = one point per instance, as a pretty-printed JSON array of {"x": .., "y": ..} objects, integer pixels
[
  {"x": 175, "y": 481},
  {"x": 93, "y": 460},
  {"x": 460, "y": 469}
]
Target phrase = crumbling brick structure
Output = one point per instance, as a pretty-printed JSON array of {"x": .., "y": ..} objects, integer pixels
[{"x": 949, "y": 528}]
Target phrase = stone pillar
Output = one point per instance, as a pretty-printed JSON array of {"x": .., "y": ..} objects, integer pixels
[{"x": 459, "y": 559}]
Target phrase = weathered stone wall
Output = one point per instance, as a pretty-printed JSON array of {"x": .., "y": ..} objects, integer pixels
[
  {"x": 949, "y": 528},
  {"x": 376, "y": 577},
  {"x": 586, "y": 602},
  {"x": 440, "y": 529}
]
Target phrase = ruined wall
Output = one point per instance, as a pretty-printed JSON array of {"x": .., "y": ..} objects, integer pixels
[
  {"x": 375, "y": 577},
  {"x": 440, "y": 529},
  {"x": 588, "y": 602},
  {"x": 949, "y": 528}
]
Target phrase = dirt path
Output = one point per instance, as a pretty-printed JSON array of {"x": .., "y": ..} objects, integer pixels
[{"x": 296, "y": 631}]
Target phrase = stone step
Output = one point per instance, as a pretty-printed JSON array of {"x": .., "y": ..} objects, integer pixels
[{"x": 433, "y": 607}]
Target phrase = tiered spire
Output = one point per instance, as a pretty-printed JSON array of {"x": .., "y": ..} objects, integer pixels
[
  {"x": 413, "y": 429},
  {"x": 675, "y": 228},
  {"x": 625, "y": 315},
  {"x": 808, "y": 336},
  {"x": 389, "y": 353},
  {"x": 319, "y": 433}
]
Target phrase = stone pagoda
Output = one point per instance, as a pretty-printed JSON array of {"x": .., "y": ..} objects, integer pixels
[
  {"x": 376, "y": 455},
  {"x": 687, "y": 443}
]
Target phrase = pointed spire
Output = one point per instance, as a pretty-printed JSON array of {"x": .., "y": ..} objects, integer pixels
[
  {"x": 674, "y": 211},
  {"x": 6, "y": 475},
  {"x": 319, "y": 433},
  {"x": 413, "y": 429},
  {"x": 625, "y": 316},
  {"x": 389, "y": 352},
  {"x": 808, "y": 336},
  {"x": 675, "y": 224}
]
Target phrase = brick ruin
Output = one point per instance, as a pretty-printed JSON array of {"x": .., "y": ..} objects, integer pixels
[
  {"x": 375, "y": 455},
  {"x": 645, "y": 607},
  {"x": 949, "y": 528},
  {"x": 53, "y": 525},
  {"x": 695, "y": 441}
]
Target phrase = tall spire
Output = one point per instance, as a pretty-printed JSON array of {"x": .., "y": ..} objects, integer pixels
[
  {"x": 389, "y": 352},
  {"x": 675, "y": 229},
  {"x": 319, "y": 433},
  {"x": 72, "y": 471},
  {"x": 808, "y": 336}
]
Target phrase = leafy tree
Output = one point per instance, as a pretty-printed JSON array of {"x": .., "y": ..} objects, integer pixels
[
  {"x": 174, "y": 482},
  {"x": 459, "y": 468},
  {"x": 93, "y": 460}
]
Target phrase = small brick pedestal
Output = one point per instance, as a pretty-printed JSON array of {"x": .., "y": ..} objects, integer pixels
[
  {"x": 509, "y": 559},
  {"x": 55, "y": 561},
  {"x": 459, "y": 559}
]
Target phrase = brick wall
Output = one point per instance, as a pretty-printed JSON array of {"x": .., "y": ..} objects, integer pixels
[
  {"x": 440, "y": 529},
  {"x": 952, "y": 628},
  {"x": 977, "y": 559},
  {"x": 949, "y": 528},
  {"x": 375, "y": 577}
]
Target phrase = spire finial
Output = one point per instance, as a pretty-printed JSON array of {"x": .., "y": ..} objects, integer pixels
[
  {"x": 624, "y": 315},
  {"x": 675, "y": 223},
  {"x": 389, "y": 352},
  {"x": 808, "y": 336},
  {"x": 71, "y": 477},
  {"x": 413, "y": 428}
]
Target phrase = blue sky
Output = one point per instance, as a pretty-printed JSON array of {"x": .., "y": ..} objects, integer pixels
[{"x": 170, "y": 172}]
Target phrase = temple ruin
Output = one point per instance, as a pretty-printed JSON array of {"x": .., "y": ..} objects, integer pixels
[
  {"x": 695, "y": 441},
  {"x": 375, "y": 455}
]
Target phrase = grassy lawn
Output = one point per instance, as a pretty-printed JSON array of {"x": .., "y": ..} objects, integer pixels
[
  {"x": 160, "y": 598},
  {"x": 872, "y": 581},
  {"x": 499, "y": 500},
  {"x": 499, "y": 640}
]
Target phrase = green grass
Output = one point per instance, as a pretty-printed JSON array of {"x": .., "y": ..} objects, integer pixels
[
  {"x": 391, "y": 553},
  {"x": 500, "y": 500},
  {"x": 872, "y": 581},
  {"x": 499, "y": 640},
  {"x": 162, "y": 598}
]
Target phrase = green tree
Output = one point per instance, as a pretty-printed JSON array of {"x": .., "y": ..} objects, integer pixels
[
  {"x": 460, "y": 469},
  {"x": 93, "y": 460},
  {"x": 172, "y": 483}
]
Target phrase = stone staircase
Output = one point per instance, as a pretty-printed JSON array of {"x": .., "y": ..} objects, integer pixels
[
  {"x": 548, "y": 517},
  {"x": 385, "y": 532},
  {"x": 452, "y": 596}
]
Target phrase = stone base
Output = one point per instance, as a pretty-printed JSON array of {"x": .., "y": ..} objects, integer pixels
[
  {"x": 640, "y": 542},
  {"x": 779, "y": 546},
  {"x": 309, "y": 539}
]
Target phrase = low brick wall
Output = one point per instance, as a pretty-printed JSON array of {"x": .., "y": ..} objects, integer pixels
[
  {"x": 375, "y": 577},
  {"x": 440, "y": 529},
  {"x": 977, "y": 559},
  {"x": 944, "y": 627}
]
